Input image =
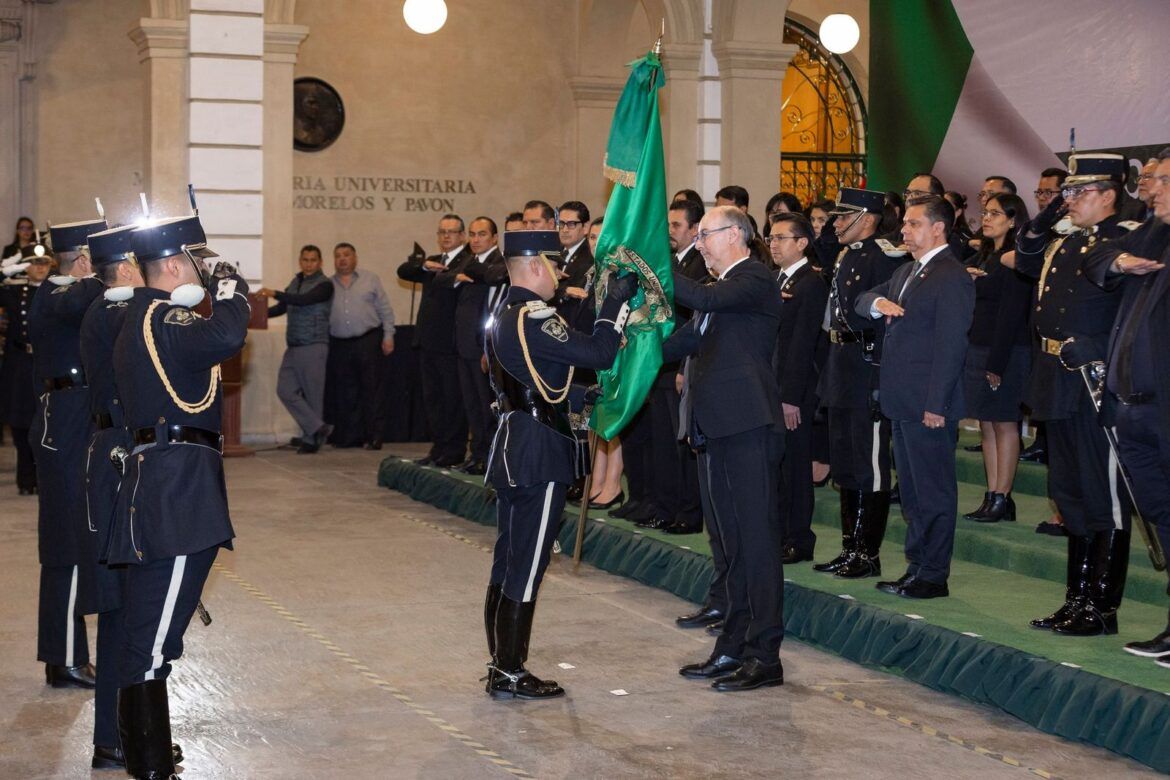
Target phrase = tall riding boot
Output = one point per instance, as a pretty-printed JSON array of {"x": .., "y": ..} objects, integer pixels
[
  {"x": 490, "y": 604},
  {"x": 1076, "y": 590},
  {"x": 868, "y": 535},
  {"x": 850, "y": 507},
  {"x": 144, "y": 724},
  {"x": 1110, "y": 557},
  {"x": 511, "y": 679}
]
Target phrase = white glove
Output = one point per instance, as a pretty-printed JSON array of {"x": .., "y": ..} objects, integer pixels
[
  {"x": 13, "y": 270},
  {"x": 10, "y": 260}
]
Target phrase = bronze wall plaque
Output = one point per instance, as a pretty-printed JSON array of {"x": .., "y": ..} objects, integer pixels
[{"x": 318, "y": 114}]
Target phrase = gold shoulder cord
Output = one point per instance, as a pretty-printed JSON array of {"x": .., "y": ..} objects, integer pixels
[
  {"x": 1049, "y": 255},
  {"x": 208, "y": 398},
  {"x": 547, "y": 391}
]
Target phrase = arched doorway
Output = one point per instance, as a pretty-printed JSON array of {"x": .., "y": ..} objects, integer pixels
[{"x": 822, "y": 121}]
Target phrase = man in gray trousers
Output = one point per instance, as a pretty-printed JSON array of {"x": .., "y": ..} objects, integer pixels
[{"x": 301, "y": 383}]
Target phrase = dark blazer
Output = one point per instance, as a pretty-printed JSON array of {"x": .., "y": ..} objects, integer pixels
[
  {"x": 435, "y": 327},
  {"x": 694, "y": 267},
  {"x": 1151, "y": 241},
  {"x": 798, "y": 342},
  {"x": 731, "y": 385},
  {"x": 924, "y": 350},
  {"x": 579, "y": 312},
  {"x": 473, "y": 298},
  {"x": 1003, "y": 301}
]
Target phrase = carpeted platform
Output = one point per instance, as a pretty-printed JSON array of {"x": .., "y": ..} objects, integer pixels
[{"x": 975, "y": 644}]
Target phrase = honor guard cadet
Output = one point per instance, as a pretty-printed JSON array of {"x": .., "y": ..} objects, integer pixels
[
  {"x": 171, "y": 515},
  {"x": 114, "y": 265},
  {"x": 18, "y": 396},
  {"x": 1083, "y": 478},
  {"x": 848, "y": 387},
  {"x": 60, "y": 437},
  {"x": 531, "y": 355}
]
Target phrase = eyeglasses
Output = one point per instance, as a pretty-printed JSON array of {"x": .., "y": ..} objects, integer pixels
[
  {"x": 703, "y": 234},
  {"x": 1046, "y": 193},
  {"x": 993, "y": 213},
  {"x": 1072, "y": 193},
  {"x": 908, "y": 194},
  {"x": 448, "y": 232},
  {"x": 571, "y": 224},
  {"x": 1141, "y": 177},
  {"x": 985, "y": 194},
  {"x": 778, "y": 239}
]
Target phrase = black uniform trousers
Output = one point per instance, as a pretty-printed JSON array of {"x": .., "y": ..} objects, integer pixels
[
  {"x": 111, "y": 637},
  {"x": 674, "y": 475},
  {"x": 638, "y": 455},
  {"x": 1144, "y": 454},
  {"x": 859, "y": 450},
  {"x": 439, "y": 373},
  {"x": 355, "y": 396},
  {"x": 1083, "y": 478},
  {"x": 26, "y": 465},
  {"x": 796, "y": 487},
  {"x": 161, "y": 597},
  {"x": 527, "y": 522},
  {"x": 476, "y": 391},
  {"x": 61, "y": 637},
  {"x": 740, "y": 476},
  {"x": 930, "y": 495}
]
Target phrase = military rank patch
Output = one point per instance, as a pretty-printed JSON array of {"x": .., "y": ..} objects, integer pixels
[
  {"x": 555, "y": 329},
  {"x": 539, "y": 310},
  {"x": 180, "y": 316},
  {"x": 59, "y": 290}
]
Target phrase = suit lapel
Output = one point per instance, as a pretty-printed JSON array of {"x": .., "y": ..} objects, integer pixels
[{"x": 920, "y": 277}]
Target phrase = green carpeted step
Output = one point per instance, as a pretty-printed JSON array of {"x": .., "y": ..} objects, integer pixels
[{"x": 1031, "y": 478}]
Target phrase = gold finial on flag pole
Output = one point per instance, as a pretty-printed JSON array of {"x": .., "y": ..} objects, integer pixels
[{"x": 661, "y": 35}]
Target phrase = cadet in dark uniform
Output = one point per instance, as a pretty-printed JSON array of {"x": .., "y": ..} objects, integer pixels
[
  {"x": 114, "y": 264},
  {"x": 60, "y": 438},
  {"x": 859, "y": 434},
  {"x": 171, "y": 515},
  {"x": 531, "y": 354},
  {"x": 1082, "y": 473},
  {"x": 18, "y": 394},
  {"x": 1137, "y": 385}
]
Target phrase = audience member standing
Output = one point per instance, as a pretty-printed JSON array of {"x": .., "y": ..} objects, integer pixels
[
  {"x": 361, "y": 332},
  {"x": 434, "y": 335},
  {"x": 300, "y": 385},
  {"x": 928, "y": 306},
  {"x": 25, "y": 236}
]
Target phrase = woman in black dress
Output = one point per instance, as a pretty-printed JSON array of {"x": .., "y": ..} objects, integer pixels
[
  {"x": 998, "y": 354},
  {"x": 25, "y": 236}
]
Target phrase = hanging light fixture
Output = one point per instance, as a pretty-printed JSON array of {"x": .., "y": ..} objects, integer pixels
[
  {"x": 839, "y": 33},
  {"x": 425, "y": 16}
]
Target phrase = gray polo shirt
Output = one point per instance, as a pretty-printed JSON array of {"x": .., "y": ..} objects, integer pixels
[{"x": 361, "y": 307}]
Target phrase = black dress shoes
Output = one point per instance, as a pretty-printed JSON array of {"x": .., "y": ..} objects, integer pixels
[
  {"x": 921, "y": 589},
  {"x": 681, "y": 527},
  {"x": 792, "y": 555},
  {"x": 753, "y": 674},
  {"x": 575, "y": 492},
  {"x": 445, "y": 463},
  {"x": 626, "y": 509},
  {"x": 615, "y": 501},
  {"x": 655, "y": 523},
  {"x": 70, "y": 676},
  {"x": 892, "y": 587},
  {"x": 1033, "y": 454},
  {"x": 114, "y": 758},
  {"x": 373, "y": 444},
  {"x": 473, "y": 467},
  {"x": 715, "y": 629},
  {"x": 644, "y": 513},
  {"x": 1158, "y": 647},
  {"x": 704, "y": 616},
  {"x": 714, "y": 667}
]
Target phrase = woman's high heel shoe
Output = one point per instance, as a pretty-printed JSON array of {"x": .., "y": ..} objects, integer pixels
[{"x": 619, "y": 498}]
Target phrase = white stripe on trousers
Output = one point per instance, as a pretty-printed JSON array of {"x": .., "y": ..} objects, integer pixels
[
  {"x": 168, "y": 612},
  {"x": 1113, "y": 497},
  {"x": 69, "y": 620},
  {"x": 548, "y": 495},
  {"x": 877, "y": 438}
]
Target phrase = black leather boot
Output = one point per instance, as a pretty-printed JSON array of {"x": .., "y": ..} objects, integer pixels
[
  {"x": 982, "y": 510},
  {"x": 144, "y": 724},
  {"x": 1001, "y": 508},
  {"x": 1076, "y": 589},
  {"x": 850, "y": 507},
  {"x": 868, "y": 535},
  {"x": 113, "y": 758},
  {"x": 511, "y": 679},
  {"x": 491, "y": 603},
  {"x": 82, "y": 676},
  {"x": 1110, "y": 560}
]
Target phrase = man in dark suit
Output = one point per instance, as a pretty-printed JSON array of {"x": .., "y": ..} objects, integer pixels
[
  {"x": 479, "y": 281},
  {"x": 1137, "y": 384},
  {"x": 928, "y": 307},
  {"x": 804, "y": 294},
  {"x": 733, "y": 419},
  {"x": 434, "y": 336}
]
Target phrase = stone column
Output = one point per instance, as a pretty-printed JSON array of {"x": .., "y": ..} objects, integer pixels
[
  {"x": 751, "y": 76},
  {"x": 18, "y": 67},
  {"x": 680, "y": 114},
  {"x": 595, "y": 98},
  {"x": 281, "y": 44}
]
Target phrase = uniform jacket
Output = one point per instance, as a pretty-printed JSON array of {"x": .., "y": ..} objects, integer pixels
[
  {"x": 731, "y": 384},
  {"x": 435, "y": 327},
  {"x": 1003, "y": 299},
  {"x": 924, "y": 352},
  {"x": 799, "y": 344},
  {"x": 174, "y": 501},
  {"x": 474, "y": 299},
  {"x": 18, "y": 393}
]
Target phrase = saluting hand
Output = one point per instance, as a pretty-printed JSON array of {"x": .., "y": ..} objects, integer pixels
[
  {"x": 434, "y": 265},
  {"x": 889, "y": 308},
  {"x": 1137, "y": 266}
]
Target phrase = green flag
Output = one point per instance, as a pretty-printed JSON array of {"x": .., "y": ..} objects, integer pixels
[{"x": 634, "y": 237}]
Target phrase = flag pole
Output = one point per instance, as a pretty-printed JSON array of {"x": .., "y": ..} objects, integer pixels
[{"x": 583, "y": 515}]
